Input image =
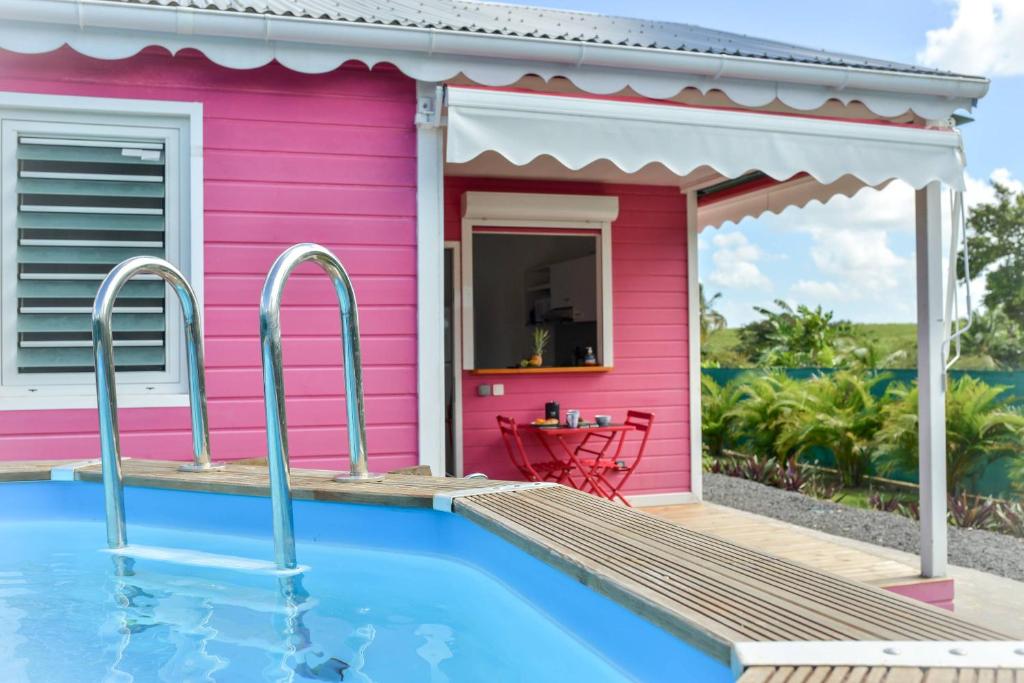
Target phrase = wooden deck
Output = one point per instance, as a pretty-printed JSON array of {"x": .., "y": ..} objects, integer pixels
[
  {"x": 863, "y": 674},
  {"x": 706, "y": 589},
  {"x": 804, "y": 546}
]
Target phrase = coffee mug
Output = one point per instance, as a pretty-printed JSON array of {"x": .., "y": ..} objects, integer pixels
[{"x": 603, "y": 420}]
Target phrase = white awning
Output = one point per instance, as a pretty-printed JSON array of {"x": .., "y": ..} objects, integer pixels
[{"x": 578, "y": 131}]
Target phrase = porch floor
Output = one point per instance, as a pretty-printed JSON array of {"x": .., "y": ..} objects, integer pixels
[{"x": 810, "y": 548}]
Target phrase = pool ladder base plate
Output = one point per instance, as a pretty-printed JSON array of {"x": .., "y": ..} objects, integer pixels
[
  {"x": 366, "y": 476},
  {"x": 210, "y": 467}
]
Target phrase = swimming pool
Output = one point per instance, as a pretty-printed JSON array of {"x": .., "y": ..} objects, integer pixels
[{"x": 385, "y": 594}]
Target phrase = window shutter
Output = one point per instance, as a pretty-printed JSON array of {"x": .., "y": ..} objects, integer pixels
[{"x": 85, "y": 205}]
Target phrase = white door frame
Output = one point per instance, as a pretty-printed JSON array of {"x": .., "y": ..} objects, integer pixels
[{"x": 456, "y": 249}]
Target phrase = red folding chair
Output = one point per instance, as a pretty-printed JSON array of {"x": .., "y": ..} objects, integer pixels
[
  {"x": 551, "y": 470},
  {"x": 602, "y": 466}
]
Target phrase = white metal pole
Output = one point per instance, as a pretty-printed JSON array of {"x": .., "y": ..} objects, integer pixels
[
  {"x": 931, "y": 381},
  {"x": 430, "y": 276},
  {"x": 693, "y": 332}
]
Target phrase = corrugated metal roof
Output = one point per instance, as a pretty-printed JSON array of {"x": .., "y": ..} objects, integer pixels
[{"x": 537, "y": 22}]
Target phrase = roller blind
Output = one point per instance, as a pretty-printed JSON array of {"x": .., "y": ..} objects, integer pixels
[{"x": 84, "y": 205}]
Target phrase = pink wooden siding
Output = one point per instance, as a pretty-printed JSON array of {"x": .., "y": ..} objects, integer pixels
[
  {"x": 288, "y": 158},
  {"x": 650, "y": 335}
]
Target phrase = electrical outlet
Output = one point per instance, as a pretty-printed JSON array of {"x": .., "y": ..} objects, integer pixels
[
  {"x": 498, "y": 390},
  {"x": 483, "y": 389}
]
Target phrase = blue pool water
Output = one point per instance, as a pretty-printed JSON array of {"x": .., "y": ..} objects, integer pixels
[{"x": 387, "y": 595}]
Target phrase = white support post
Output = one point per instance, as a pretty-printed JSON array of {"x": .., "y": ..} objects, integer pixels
[
  {"x": 430, "y": 276},
  {"x": 931, "y": 381},
  {"x": 693, "y": 334}
]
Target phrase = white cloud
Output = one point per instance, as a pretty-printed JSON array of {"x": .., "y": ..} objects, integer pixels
[
  {"x": 735, "y": 262},
  {"x": 984, "y": 38},
  {"x": 855, "y": 256},
  {"x": 860, "y": 259},
  {"x": 813, "y": 291}
]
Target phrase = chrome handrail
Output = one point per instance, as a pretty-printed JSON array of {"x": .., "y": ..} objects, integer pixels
[
  {"x": 106, "y": 387},
  {"x": 273, "y": 386}
]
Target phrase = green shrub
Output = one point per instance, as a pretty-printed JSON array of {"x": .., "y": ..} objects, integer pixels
[
  {"x": 762, "y": 412},
  {"x": 717, "y": 422},
  {"x": 981, "y": 429},
  {"x": 837, "y": 412}
]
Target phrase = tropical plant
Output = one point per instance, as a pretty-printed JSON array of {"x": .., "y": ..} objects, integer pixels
[
  {"x": 858, "y": 353},
  {"x": 794, "y": 337},
  {"x": 1010, "y": 518},
  {"x": 882, "y": 503},
  {"x": 1016, "y": 472},
  {"x": 837, "y": 412},
  {"x": 818, "y": 486},
  {"x": 794, "y": 476},
  {"x": 970, "y": 512},
  {"x": 710, "y": 320},
  {"x": 717, "y": 402},
  {"x": 760, "y": 469},
  {"x": 762, "y": 411},
  {"x": 996, "y": 241},
  {"x": 994, "y": 339},
  {"x": 981, "y": 428}
]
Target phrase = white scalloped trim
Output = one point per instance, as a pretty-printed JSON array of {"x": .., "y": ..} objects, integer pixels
[
  {"x": 775, "y": 200},
  {"x": 247, "y": 41}
]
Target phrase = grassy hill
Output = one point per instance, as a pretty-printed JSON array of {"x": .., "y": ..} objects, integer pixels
[{"x": 888, "y": 337}]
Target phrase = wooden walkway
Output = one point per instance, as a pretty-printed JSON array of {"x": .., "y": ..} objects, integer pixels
[
  {"x": 705, "y": 589},
  {"x": 863, "y": 674},
  {"x": 807, "y": 547}
]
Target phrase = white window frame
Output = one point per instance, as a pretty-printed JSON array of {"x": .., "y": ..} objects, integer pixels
[
  {"x": 179, "y": 124},
  {"x": 542, "y": 214}
]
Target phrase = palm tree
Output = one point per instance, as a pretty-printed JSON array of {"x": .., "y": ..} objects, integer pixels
[
  {"x": 710, "y": 320},
  {"x": 981, "y": 428},
  {"x": 838, "y": 412},
  {"x": 764, "y": 402},
  {"x": 717, "y": 422}
]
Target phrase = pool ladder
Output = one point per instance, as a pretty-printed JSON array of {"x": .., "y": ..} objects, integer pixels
[
  {"x": 106, "y": 387},
  {"x": 273, "y": 384}
]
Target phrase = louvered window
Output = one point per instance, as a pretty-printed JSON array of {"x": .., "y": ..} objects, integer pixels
[
  {"x": 84, "y": 205},
  {"x": 84, "y": 185}
]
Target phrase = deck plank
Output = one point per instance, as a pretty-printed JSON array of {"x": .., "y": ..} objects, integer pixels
[
  {"x": 35, "y": 470},
  {"x": 827, "y": 674}
]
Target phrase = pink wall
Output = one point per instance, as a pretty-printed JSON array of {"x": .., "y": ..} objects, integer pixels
[
  {"x": 650, "y": 335},
  {"x": 289, "y": 158}
]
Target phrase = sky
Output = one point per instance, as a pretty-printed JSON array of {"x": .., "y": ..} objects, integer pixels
[{"x": 856, "y": 256}]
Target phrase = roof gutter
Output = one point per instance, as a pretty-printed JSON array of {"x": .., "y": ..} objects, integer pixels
[{"x": 548, "y": 56}]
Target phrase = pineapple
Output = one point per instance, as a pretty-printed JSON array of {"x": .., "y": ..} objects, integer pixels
[{"x": 540, "y": 342}]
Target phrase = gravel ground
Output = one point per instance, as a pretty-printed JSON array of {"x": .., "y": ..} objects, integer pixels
[{"x": 984, "y": 550}]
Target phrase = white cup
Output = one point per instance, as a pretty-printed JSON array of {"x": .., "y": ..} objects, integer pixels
[{"x": 572, "y": 418}]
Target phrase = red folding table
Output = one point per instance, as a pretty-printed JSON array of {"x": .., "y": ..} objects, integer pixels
[{"x": 556, "y": 437}]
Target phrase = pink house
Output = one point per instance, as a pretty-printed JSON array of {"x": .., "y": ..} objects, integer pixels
[{"x": 481, "y": 170}]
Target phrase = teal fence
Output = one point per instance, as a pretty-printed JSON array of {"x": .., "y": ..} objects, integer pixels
[{"x": 994, "y": 482}]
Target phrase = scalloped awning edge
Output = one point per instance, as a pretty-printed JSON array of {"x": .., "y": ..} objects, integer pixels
[{"x": 839, "y": 156}]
